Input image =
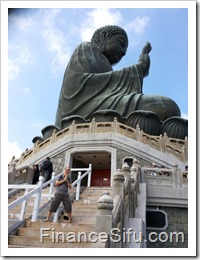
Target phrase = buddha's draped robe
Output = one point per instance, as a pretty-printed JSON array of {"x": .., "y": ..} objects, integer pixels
[{"x": 90, "y": 84}]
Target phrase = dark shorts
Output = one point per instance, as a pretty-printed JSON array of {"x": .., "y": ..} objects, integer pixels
[{"x": 58, "y": 198}]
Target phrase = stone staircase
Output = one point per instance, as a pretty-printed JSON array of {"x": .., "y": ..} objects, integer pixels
[{"x": 46, "y": 234}]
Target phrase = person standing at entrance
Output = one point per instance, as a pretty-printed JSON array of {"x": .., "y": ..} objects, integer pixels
[
  {"x": 46, "y": 169},
  {"x": 62, "y": 195}
]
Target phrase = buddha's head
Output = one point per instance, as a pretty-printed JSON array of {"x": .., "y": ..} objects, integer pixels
[{"x": 112, "y": 41}]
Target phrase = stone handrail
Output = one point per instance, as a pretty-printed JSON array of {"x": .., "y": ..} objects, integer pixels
[
  {"x": 20, "y": 175},
  {"x": 165, "y": 177},
  {"x": 114, "y": 212},
  {"x": 177, "y": 147}
]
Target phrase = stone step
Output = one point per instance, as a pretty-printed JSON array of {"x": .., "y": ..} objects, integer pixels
[
  {"x": 78, "y": 218},
  {"x": 77, "y": 208},
  {"x": 18, "y": 246},
  {"x": 84, "y": 205},
  {"x": 63, "y": 224},
  {"x": 90, "y": 196},
  {"x": 100, "y": 192},
  {"x": 22, "y": 241},
  {"x": 83, "y": 215},
  {"x": 85, "y": 201},
  {"x": 98, "y": 188},
  {"x": 50, "y": 231}
]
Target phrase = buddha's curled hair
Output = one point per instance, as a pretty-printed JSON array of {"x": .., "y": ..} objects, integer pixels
[{"x": 110, "y": 30}]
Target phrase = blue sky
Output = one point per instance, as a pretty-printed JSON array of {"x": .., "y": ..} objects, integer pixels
[{"x": 41, "y": 41}]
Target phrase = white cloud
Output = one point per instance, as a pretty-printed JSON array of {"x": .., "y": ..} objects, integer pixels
[
  {"x": 57, "y": 45},
  {"x": 21, "y": 56},
  {"x": 21, "y": 23},
  {"x": 138, "y": 25},
  {"x": 55, "y": 39},
  {"x": 13, "y": 150},
  {"x": 98, "y": 18},
  {"x": 13, "y": 69}
]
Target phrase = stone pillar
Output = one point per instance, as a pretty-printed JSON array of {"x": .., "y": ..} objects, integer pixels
[
  {"x": 118, "y": 189},
  {"x": 136, "y": 164},
  {"x": 72, "y": 128},
  {"x": 118, "y": 184},
  {"x": 164, "y": 141},
  {"x": 138, "y": 133},
  {"x": 126, "y": 170},
  {"x": 176, "y": 176},
  {"x": 115, "y": 125},
  {"x": 186, "y": 148},
  {"x": 134, "y": 184},
  {"x": 133, "y": 198},
  {"x": 104, "y": 217},
  {"x": 11, "y": 173},
  {"x": 161, "y": 143},
  {"x": 53, "y": 136},
  {"x": 29, "y": 175}
]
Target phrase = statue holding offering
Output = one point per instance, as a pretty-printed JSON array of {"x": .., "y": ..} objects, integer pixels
[{"x": 90, "y": 84}]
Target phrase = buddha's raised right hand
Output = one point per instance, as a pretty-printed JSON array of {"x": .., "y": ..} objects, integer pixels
[{"x": 147, "y": 48}]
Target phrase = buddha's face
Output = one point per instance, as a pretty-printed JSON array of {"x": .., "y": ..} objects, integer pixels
[{"x": 115, "y": 48}]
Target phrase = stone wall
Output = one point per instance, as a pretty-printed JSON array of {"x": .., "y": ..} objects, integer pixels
[
  {"x": 122, "y": 155},
  {"x": 58, "y": 162},
  {"x": 177, "y": 222}
]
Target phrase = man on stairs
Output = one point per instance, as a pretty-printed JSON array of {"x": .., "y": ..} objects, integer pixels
[{"x": 62, "y": 195}]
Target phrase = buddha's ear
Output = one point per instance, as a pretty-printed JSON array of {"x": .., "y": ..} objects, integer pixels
[
  {"x": 103, "y": 41},
  {"x": 104, "y": 36}
]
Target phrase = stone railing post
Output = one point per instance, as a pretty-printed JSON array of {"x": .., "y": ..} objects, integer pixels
[
  {"x": 134, "y": 183},
  {"x": 138, "y": 133},
  {"x": 11, "y": 173},
  {"x": 164, "y": 141},
  {"x": 136, "y": 164},
  {"x": 126, "y": 171},
  {"x": 119, "y": 189},
  {"x": 115, "y": 125},
  {"x": 36, "y": 146},
  {"x": 161, "y": 145},
  {"x": 93, "y": 126},
  {"x": 29, "y": 175},
  {"x": 104, "y": 217},
  {"x": 176, "y": 176},
  {"x": 186, "y": 148},
  {"x": 72, "y": 128},
  {"x": 133, "y": 199},
  {"x": 136, "y": 171},
  {"x": 53, "y": 136},
  {"x": 118, "y": 184}
]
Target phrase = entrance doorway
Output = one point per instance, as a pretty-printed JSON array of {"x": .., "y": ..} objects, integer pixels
[
  {"x": 100, "y": 178},
  {"x": 101, "y": 166}
]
